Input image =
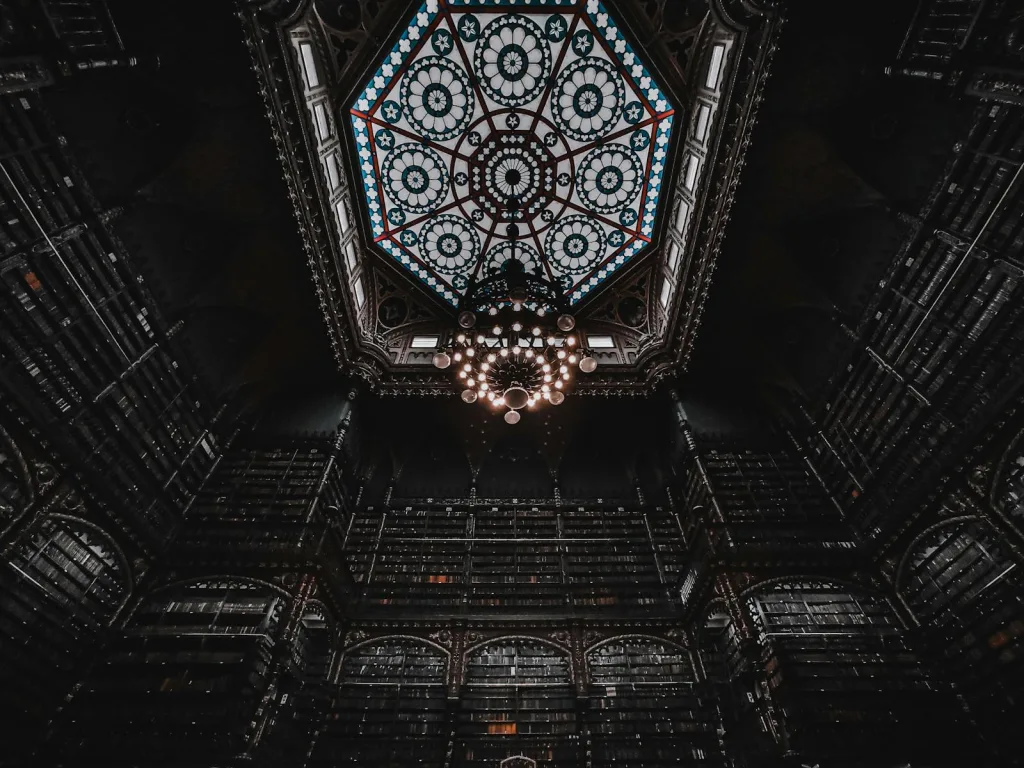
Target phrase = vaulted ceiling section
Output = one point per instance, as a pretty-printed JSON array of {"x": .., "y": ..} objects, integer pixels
[{"x": 426, "y": 143}]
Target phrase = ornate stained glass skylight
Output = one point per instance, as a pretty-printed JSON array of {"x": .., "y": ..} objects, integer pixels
[{"x": 526, "y": 129}]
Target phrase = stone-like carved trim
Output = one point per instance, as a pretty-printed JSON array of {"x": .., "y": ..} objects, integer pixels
[
  {"x": 270, "y": 51},
  {"x": 902, "y": 569}
]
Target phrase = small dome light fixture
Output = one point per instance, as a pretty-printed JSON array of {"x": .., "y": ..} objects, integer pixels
[
  {"x": 566, "y": 323},
  {"x": 588, "y": 364},
  {"x": 556, "y": 398},
  {"x": 467, "y": 319},
  {"x": 512, "y": 417},
  {"x": 442, "y": 360},
  {"x": 516, "y": 397},
  {"x": 469, "y": 396}
]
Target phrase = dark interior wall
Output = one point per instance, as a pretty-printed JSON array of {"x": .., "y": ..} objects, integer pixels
[{"x": 589, "y": 449}]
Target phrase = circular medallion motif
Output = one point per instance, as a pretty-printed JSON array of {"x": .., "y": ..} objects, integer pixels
[
  {"x": 609, "y": 178},
  {"x": 511, "y": 176},
  {"x": 512, "y": 60},
  {"x": 450, "y": 244},
  {"x": 437, "y": 98},
  {"x": 523, "y": 253},
  {"x": 415, "y": 178},
  {"x": 469, "y": 28},
  {"x": 556, "y": 29},
  {"x": 391, "y": 111},
  {"x": 575, "y": 244},
  {"x": 587, "y": 99}
]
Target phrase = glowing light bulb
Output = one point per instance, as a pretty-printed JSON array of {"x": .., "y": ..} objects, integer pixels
[
  {"x": 565, "y": 376},
  {"x": 471, "y": 382},
  {"x": 547, "y": 377},
  {"x": 546, "y": 395},
  {"x": 484, "y": 386},
  {"x": 492, "y": 311},
  {"x": 529, "y": 353},
  {"x": 545, "y": 388},
  {"x": 463, "y": 374},
  {"x": 561, "y": 354},
  {"x": 558, "y": 385},
  {"x": 571, "y": 341},
  {"x": 491, "y": 358},
  {"x": 546, "y": 368},
  {"x": 499, "y": 401},
  {"x": 480, "y": 339},
  {"x": 461, "y": 338},
  {"x": 551, "y": 341},
  {"x": 504, "y": 352},
  {"x": 516, "y": 349},
  {"x": 457, "y": 356},
  {"x": 497, "y": 330},
  {"x": 541, "y": 312},
  {"x": 467, "y": 367},
  {"x": 470, "y": 351},
  {"x": 572, "y": 358},
  {"x": 563, "y": 368},
  {"x": 485, "y": 366},
  {"x": 517, "y": 326},
  {"x": 536, "y": 331}
]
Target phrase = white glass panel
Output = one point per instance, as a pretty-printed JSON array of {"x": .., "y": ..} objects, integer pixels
[
  {"x": 715, "y": 68},
  {"x": 673, "y": 257},
  {"x": 342, "y": 215},
  {"x": 350, "y": 256},
  {"x": 333, "y": 175},
  {"x": 309, "y": 65},
  {"x": 360, "y": 293},
  {"x": 700, "y": 128},
  {"x": 323, "y": 125},
  {"x": 682, "y": 214},
  {"x": 601, "y": 342},
  {"x": 424, "y": 342},
  {"x": 666, "y": 293},
  {"x": 693, "y": 164}
]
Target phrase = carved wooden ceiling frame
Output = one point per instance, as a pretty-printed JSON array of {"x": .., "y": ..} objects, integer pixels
[{"x": 659, "y": 344}]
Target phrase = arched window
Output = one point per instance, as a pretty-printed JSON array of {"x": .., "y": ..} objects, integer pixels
[
  {"x": 968, "y": 594},
  {"x": 204, "y": 648},
  {"x": 518, "y": 700},
  {"x": 843, "y": 675},
  {"x": 63, "y": 584},
  {"x": 647, "y": 713},
  {"x": 390, "y": 708},
  {"x": 15, "y": 482}
]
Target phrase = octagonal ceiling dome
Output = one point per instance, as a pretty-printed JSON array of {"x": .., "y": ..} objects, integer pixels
[{"x": 525, "y": 129}]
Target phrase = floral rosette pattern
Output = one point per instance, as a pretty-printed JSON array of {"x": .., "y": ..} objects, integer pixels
[
  {"x": 609, "y": 178},
  {"x": 587, "y": 99},
  {"x": 490, "y": 113},
  {"x": 575, "y": 244},
  {"x": 415, "y": 178},
  {"x": 450, "y": 244},
  {"x": 523, "y": 253},
  {"x": 512, "y": 61},
  {"x": 437, "y": 97}
]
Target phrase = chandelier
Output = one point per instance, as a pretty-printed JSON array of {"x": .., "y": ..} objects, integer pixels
[{"x": 515, "y": 347}]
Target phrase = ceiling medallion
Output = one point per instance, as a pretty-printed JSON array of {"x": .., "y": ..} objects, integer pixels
[
  {"x": 515, "y": 346},
  {"x": 536, "y": 113}
]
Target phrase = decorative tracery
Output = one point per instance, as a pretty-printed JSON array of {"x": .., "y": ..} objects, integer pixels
[{"x": 530, "y": 122}]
